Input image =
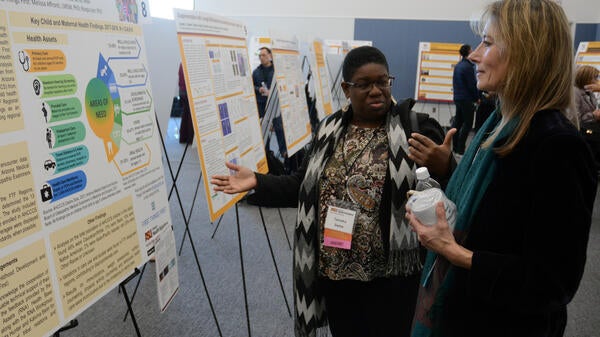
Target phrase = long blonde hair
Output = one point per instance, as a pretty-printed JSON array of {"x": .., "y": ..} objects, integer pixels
[{"x": 535, "y": 39}]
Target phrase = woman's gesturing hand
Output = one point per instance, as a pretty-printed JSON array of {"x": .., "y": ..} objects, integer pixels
[
  {"x": 426, "y": 152},
  {"x": 242, "y": 180}
]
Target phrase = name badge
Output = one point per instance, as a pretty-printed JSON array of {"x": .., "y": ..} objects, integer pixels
[{"x": 339, "y": 224}]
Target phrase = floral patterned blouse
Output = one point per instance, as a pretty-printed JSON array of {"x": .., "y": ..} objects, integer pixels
[{"x": 356, "y": 174}]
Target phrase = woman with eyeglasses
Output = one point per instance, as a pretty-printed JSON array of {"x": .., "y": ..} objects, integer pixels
[
  {"x": 356, "y": 261},
  {"x": 524, "y": 191}
]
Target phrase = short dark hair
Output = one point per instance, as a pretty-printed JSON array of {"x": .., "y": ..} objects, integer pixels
[
  {"x": 265, "y": 48},
  {"x": 465, "y": 50},
  {"x": 360, "y": 56}
]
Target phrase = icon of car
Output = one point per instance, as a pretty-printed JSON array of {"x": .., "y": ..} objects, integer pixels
[{"x": 49, "y": 164}]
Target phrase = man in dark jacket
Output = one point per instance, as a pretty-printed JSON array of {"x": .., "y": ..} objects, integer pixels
[
  {"x": 262, "y": 77},
  {"x": 464, "y": 87}
]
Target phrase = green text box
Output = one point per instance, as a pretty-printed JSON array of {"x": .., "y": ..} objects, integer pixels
[
  {"x": 67, "y": 134},
  {"x": 71, "y": 158},
  {"x": 58, "y": 85},
  {"x": 64, "y": 109}
]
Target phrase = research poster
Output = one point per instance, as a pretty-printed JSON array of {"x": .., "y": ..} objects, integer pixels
[
  {"x": 588, "y": 53},
  {"x": 342, "y": 47},
  {"x": 435, "y": 66},
  {"x": 292, "y": 98},
  {"x": 218, "y": 80},
  {"x": 320, "y": 75},
  {"x": 82, "y": 190}
]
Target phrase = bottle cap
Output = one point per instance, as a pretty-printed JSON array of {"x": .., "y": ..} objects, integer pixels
[{"x": 422, "y": 173}]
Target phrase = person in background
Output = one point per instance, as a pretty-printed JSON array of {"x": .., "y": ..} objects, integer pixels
[
  {"x": 186, "y": 129},
  {"x": 364, "y": 283},
  {"x": 262, "y": 77},
  {"x": 466, "y": 95},
  {"x": 524, "y": 191},
  {"x": 487, "y": 105},
  {"x": 586, "y": 79}
]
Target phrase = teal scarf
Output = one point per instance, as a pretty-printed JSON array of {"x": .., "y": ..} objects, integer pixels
[{"x": 466, "y": 188}]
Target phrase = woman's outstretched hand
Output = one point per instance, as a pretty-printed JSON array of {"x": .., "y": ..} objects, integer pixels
[{"x": 242, "y": 180}]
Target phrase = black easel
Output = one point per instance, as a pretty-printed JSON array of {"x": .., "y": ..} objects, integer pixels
[
  {"x": 271, "y": 110},
  {"x": 186, "y": 219},
  {"x": 237, "y": 220},
  {"x": 263, "y": 221},
  {"x": 128, "y": 300},
  {"x": 72, "y": 324},
  {"x": 137, "y": 284}
]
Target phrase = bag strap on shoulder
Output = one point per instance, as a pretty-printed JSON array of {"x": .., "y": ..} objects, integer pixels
[{"x": 414, "y": 123}]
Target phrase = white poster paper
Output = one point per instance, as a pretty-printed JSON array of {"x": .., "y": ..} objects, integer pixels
[
  {"x": 292, "y": 98},
  {"x": 435, "y": 67},
  {"x": 588, "y": 53},
  {"x": 82, "y": 188},
  {"x": 221, "y": 95}
]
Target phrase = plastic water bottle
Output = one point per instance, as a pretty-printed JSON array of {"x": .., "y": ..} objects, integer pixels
[
  {"x": 424, "y": 181},
  {"x": 424, "y": 203},
  {"x": 264, "y": 86}
]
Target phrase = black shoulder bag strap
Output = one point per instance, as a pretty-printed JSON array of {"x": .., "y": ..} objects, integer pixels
[{"x": 414, "y": 123}]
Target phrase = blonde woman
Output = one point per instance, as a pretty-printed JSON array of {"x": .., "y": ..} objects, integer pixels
[{"x": 524, "y": 191}]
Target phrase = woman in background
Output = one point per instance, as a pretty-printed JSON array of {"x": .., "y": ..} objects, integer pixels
[{"x": 586, "y": 79}]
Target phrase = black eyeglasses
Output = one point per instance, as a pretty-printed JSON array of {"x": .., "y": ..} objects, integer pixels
[{"x": 382, "y": 84}]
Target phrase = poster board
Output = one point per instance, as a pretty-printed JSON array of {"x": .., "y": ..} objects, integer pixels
[
  {"x": 82, "y": 190},
  {"x": 321, "y": 80},
  {"x": 588, "y": 53},
  {"x": 292, "y": 97},
  {"x": 342, "y": 47},
  {"x": 435, "y": 66},
  {"x": 221, "y": 94}
]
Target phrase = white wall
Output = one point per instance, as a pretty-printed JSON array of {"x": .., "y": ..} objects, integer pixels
[
  {"x": 162, "y": 51},
  {"x": 302, "y": 27},
  {"x": 577, "y": 10}
]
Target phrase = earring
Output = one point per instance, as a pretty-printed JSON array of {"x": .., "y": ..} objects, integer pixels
[{"x": 347, "y": 105}]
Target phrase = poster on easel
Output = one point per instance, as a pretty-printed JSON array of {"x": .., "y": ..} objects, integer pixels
[
  {"x": 342, "y": 47},
  {"x": 336, "y": 51},
  {"x": 588, "y": 53},
  {"x": 321, "y": 80},
  {"x": 292, "y": 97},
  {"x": 82, "y": 189},
  {"x": 435, "y": 67},
  {"x": 219, "y": 84}
]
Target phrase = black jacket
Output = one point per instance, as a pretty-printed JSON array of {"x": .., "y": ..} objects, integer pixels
[{"x": 529, "y": 238}]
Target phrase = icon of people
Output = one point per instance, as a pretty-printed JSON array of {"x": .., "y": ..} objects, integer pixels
[
  {"x": 49, "y": 137},
  {"x": 45, "y": 112}
]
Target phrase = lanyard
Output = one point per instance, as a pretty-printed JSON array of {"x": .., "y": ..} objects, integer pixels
[{"x": 349, "y": 169}]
